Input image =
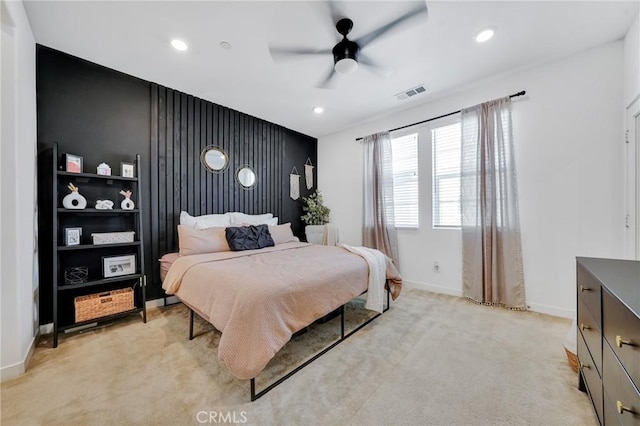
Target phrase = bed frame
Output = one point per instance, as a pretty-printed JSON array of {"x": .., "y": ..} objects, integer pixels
[{"x": 255, "y": 395}]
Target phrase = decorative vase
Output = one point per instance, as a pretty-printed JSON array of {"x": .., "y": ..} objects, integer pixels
[
  {"x": 126, "y": 204},
  {"x": 74, "y": 201},
  {"x": 314, "y": 233}
]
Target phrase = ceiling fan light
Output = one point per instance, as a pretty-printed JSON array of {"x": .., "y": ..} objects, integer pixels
[{"x": 346, "y": 66}]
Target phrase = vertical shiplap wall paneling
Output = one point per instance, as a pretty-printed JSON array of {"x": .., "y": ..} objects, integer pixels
[
  {"x": 154, "y": 170},
  {"x": 182, "y": 126},
  {"x": 168, "y": 185},
  {"x": 190, "y": 157},
  {"x": 169, "y": 129}
]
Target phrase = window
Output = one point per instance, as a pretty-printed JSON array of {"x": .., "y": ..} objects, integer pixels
[
  {"x": 404, "y": 150},
  {"x": 447, "y": 144}
]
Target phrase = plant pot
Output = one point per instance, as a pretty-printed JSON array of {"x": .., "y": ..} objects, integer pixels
[{"x": 314, "y": 233}]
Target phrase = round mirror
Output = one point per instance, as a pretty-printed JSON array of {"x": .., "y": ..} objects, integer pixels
[
  {"x": 214, "y": 159},
  {"x": 246, "y": 177}
]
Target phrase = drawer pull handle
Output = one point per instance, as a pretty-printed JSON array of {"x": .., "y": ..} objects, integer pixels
[
  {"x": 583, "y": 288},
  {"x": 584, "y": 327},
  {"x": 587, "y": 366},
  {"x": 621, "y": 408},
  {"x": 620, "y": 342}
]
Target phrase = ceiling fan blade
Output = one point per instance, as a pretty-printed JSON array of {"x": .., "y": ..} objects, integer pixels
[
  {"x": 326, "y": 82},
  {"x": 373, "y": 35},
  {"x": 378, "y": 69},
  {"x": 285, "y": 52}
]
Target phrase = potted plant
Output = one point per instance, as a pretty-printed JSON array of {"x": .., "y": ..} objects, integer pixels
[{"x": 315, "y": 217}]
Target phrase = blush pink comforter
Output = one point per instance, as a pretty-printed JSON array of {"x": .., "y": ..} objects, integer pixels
[{"x": 259, "y": 298}]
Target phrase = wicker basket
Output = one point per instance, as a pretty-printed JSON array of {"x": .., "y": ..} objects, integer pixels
[
  {"x": 112, "y": 237},
  {"x": 102, "y": 304},
  {"x": 573, "y": 360}
]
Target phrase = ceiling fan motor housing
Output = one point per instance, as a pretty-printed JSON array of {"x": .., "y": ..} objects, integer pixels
[{"x": 346, "y": 49}]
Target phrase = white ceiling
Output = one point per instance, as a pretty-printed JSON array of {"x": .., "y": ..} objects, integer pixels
[{"x": 437, "y": 51}]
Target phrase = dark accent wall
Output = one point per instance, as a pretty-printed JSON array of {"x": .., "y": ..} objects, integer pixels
[{"x": 106, "y": 116}]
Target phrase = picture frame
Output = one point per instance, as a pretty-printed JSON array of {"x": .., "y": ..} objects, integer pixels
[
  {"x": 127, "y": 170},
  {"x": 72, "y": 236},
  {"x": 72, "y": 163},
  {"x": 115, "y": 266}
]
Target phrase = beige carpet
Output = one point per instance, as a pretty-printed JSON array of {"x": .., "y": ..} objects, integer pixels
[{"x": 431, "y": 360}]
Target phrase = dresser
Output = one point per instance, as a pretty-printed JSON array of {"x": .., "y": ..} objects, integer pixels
[{"x": 608, "y": 303}]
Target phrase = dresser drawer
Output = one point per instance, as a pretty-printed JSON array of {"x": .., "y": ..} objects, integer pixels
[
  {"x": 590, "y": 376},
  {"x": 618, "y": 320},
  {"x": 589, "y": 293},
  {"x": 591, "y": 334},
  {"x": 619, "y": 390}
]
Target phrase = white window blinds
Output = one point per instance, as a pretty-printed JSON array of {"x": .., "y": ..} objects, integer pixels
[
  {"x": 446, "y": 176},
  {"x": 404, "y": 150}
]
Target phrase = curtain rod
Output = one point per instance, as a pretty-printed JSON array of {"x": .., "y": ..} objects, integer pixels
[{"x": 440, "y": 116}]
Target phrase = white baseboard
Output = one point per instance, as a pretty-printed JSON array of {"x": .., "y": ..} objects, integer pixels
[
  {"x": 16, "y": 370},
  {"x": 434, "y": 288},
  {"x": 534, "y": 307},
  {"x": 551, "y": 310}
]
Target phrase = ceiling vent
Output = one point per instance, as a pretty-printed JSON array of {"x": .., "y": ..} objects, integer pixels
[{"x": 405, "y": 94}]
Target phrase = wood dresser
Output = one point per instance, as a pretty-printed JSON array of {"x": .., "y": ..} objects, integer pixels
[{"x": 609, "y": 337}]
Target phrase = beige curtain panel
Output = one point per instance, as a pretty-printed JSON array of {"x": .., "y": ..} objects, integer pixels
[
  {"x": 379, "y": 226},
  {"x": 491, "y": 248}
]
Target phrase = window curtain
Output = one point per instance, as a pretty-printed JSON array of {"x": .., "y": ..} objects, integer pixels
[
  {"x": 379, "y": 224},
  {"x": 491, "y": 248}
]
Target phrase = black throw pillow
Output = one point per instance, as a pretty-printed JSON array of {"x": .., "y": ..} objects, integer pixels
[{"x": 248, "y": 237}]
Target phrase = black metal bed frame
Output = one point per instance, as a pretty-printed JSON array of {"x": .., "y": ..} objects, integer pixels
[{"x": 255, "y": 395}]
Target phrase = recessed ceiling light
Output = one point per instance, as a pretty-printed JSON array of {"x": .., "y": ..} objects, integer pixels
[
  {"x": 484, "y": 35},
  {"x": 318, "y": 110},
  {"x": 179, "y": 45},
  {"x": 225, "y": 45}
]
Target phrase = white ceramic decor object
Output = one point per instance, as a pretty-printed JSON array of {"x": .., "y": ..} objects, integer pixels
[
  {"x": 126, "y": 204},
  {"x": 104, "y": 204},
  {"x": 104, "y": 169},
  {"x": 74, "y": 201}
]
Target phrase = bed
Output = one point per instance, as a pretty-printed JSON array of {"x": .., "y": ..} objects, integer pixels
[{"x": 259, "y": 298}]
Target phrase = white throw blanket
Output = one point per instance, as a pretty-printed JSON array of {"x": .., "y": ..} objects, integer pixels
[{"x": 377, "y": 262}]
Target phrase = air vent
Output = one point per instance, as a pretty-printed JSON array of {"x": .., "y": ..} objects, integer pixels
[{"x": 405, "y": 94}]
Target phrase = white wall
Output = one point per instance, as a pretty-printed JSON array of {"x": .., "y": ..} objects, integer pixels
[
  {"x": 631, "y": 105},
  {"x": 632, "y": 62},
  {"x": 17, "y": 203},
  {"x": 567, "y": 131}
]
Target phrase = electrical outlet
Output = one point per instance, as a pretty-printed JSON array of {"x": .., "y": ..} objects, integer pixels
[{"x": 436, "y": 266}]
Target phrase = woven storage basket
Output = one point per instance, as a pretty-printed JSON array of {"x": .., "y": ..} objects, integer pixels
[
  {"x": 102, "y": 304},
  {"x": 112, "y": 237}
]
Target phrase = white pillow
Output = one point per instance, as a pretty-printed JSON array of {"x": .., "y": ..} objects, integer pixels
[
  {"x": 205, "y": 221},
  {"x": 240, "y": 219},
  {"x": 282, "y": 234}
]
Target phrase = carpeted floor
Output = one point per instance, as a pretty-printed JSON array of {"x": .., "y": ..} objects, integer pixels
[{"x": 430, "y": 360}]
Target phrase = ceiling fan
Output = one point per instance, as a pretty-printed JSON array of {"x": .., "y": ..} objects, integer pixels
[{"x": 347, "y": 54}]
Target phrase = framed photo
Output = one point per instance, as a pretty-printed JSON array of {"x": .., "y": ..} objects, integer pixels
[
  {"x": 73, "y": 163},
  {"x": 127, "y": 170},
  {"x": 72, "y": 236},
  {"x": 115, "y": 266}
]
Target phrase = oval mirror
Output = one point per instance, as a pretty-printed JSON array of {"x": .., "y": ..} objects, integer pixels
[
  {"x": 246, "y": 177},
  {"x": 214, "y": 159}
]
